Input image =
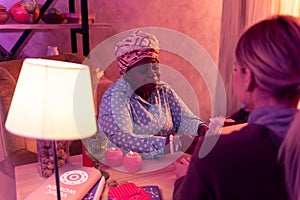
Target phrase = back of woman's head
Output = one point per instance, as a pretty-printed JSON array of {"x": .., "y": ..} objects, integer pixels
[{"x": 270, "y": 49}]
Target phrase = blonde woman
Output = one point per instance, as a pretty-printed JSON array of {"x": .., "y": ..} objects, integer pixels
[{"x": 244, "y": 164}]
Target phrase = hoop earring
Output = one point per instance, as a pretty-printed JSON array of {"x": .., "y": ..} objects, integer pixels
[{"x": 245, "y": 104}]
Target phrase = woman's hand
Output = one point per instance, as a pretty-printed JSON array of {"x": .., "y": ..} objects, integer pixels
[{"x": 181, "y": 166}]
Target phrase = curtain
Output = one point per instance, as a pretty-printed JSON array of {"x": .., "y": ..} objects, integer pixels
[{"x": 291, "y": 7}]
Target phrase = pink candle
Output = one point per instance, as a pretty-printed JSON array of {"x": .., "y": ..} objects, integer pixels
[
  {"x": 132, "y": 162},
  {"x": 114, "y": 157}
]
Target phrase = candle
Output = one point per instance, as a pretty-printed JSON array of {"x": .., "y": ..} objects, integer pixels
[
  {"x": 114, "y": 157},
  {"x": 132, "y": 162}
]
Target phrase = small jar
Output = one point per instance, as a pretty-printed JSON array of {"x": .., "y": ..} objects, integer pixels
[
  {"x": 3, "y": 15},
  {"x": 46, "y": 157}
]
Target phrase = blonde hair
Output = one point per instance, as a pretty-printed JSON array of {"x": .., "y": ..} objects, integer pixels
[
  {"x": 270, "y": 49},
  {"x": 289, "y": 155}
]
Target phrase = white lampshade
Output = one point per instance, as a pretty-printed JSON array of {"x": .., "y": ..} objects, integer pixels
[{"x": 52, "y": 100}]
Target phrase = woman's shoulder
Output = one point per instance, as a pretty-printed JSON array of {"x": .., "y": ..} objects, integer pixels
[
  {"x": 248, "y": 132},
  {"x": 252, "y": 132},
  {"x": 120, "y": 86},
  {"x": 250, "y": 140},
  {"x": 237, "y": 161},
  {"x": 248, "y": 137}
]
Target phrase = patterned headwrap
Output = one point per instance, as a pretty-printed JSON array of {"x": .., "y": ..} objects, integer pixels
[{"x": 134, "y": 48}]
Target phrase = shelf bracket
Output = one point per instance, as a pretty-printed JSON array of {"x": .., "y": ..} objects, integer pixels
[{"x": 85, "y": 28}]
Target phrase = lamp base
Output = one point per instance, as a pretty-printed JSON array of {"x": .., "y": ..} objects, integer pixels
[{"x": 46, "y": 156}]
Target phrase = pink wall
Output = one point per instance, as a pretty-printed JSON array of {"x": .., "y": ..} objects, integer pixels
[{"x": 198, "y": 20}]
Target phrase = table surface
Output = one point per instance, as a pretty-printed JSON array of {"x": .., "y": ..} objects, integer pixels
[
  {"x": 27, "y": 176},
  {"x": 28, "y": 179}
]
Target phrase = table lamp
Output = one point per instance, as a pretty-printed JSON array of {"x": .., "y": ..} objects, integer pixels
[{"x": 53, "y": 100}]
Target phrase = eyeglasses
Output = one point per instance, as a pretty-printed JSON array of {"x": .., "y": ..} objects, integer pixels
[{"x": 144, "y": 69}]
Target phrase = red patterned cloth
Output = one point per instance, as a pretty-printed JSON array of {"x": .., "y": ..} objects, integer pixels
[
  {"x": 134, "y": 48},
  {"x": 128, "y": 191}
]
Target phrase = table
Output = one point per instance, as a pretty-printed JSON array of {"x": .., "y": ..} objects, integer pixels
[{"x": 27, "y": 178}]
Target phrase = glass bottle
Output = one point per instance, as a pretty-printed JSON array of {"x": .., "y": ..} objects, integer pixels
[
  {"x": 46, "y": 158},
  {"x": 94, "y": 149}
]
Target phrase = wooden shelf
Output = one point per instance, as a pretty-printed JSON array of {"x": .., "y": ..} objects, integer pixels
[
  {"x": 75, "y": 28},
  {"x": 48, "y": 26}
]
